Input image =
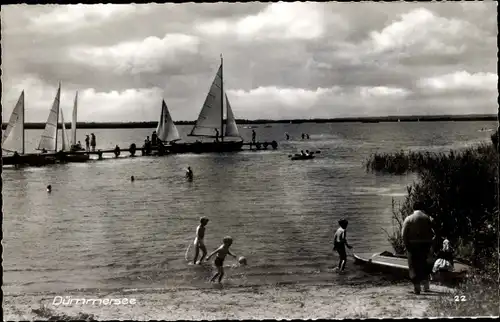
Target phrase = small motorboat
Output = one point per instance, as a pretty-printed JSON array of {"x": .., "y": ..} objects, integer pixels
[
  {"x": 302, "y": 157},
  {"x": 398, "y": 265}
]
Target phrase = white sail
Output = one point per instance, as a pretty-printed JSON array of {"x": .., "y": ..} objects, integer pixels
[
  {"x": 73, "y": 121},
  {"x": 166, "y": 130},
  {"x": 13, "y": 136},
  {"x": 231, "y": 126},
  {"x": 49, "y": 137},
  {"x": 210, "y": 115},
  {"x": 65, "y": 141}
]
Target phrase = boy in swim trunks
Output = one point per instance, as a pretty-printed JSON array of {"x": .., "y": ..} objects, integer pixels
[
  {"x": 340, "y": 242},
  {"x": 221, "y": 252},
  {"x": 199, "y": 240}
]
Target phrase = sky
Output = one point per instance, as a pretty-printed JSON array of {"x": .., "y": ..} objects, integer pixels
[{"x": 281, "y": 60}]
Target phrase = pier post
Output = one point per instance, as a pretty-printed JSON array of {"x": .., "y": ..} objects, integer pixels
[{"x": 99, "y": 154}]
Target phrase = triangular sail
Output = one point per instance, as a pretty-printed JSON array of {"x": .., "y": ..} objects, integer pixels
[
  {"x": 166, "y": 130},
  {"x": 65, "y": 141},
  {"x": 13, "y": 136},
  {"x": 210, "y": 116},
  {"x": 48, "y": 141},
  {"x": 73, "y": 121},
  {"x": 231, "y": 127}
]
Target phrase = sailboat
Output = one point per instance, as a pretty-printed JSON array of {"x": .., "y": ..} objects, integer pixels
[
  {"x": 74, "y": 144},
  {"x": 13, "y": 136},
  {"x": 210, "y": 123},
  {"x": 166, "y": 130},
  {"x": 66, "y": 147},
  {"x": 48, "y": 141}
]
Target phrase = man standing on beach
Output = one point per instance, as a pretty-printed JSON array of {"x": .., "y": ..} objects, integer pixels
[{"x": 418, "y": 236}]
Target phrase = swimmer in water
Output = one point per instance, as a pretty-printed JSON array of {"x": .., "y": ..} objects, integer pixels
[
  {"x": 221, "y": 252},
  {"x": 49, "y": 188},
  {"x": 132, "y": 178},
  {"x": 199, "y": 241},
  {"x": 189, "y": 174}
]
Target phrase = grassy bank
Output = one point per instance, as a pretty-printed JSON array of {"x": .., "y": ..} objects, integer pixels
[{"x": 459, "y": 190}]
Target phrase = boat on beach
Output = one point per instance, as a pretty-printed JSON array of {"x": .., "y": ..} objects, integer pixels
[
  {"x": 302, "y": 157},
  {"x": 210, "y": 123},
  {"x": 398, "y": 265}
]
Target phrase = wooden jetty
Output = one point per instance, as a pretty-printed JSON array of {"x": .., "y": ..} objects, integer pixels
[{"x": 40, "y": 159}]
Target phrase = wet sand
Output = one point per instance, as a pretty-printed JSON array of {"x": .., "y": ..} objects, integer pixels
[{"x": 219, "y": 302}]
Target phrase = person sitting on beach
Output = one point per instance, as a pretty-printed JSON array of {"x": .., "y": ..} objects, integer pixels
[
  {"x": 221, "y": 252},
  {"x": 189, "y": 174},
  {"x": 199, "y": 241},
  {"x": 444, "y": 261},
  {"x": 340, "y": 243},
  {"x": 418, "y": 236}
]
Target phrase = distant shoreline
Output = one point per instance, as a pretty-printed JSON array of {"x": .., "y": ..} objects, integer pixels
[{"x": 379, "y": 119}]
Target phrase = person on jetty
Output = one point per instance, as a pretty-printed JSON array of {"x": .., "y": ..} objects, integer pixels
[
  {"x": 87, "y": 143},
  {"x": 221, "y": 252},
  {"x": 444, "y": 261},
  {"x": 154, "y": 138},
  {"x": 189, "y": 174},
  {"x": 340, "y": 243},
  {"x": 253, "y": 136},
  {"x": 49, "y": 188},
  {"x": 303, "y": 136},
  {"x": 92, "y": 141},
  {"x": 132, "y": 178},
  {"x": 307, "y": 136},
  {"x": 418, "y": 237},
  {"x": 216, "y": 135},
  {"x": 199, "y": 242}
]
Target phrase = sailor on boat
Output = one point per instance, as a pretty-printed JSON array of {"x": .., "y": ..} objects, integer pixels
[
  {"x": 302, "y": 153},
  {"x": 216, "y": 135},
  {"x": 87, "y": 143},
  {"x": 308, "y": 153},
  {"x": 154, "y": 138}
]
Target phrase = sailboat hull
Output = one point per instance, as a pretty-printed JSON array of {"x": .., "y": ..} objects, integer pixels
[
  {"x": 29, "y": 159},
  {"x": 206, "y": 147}
]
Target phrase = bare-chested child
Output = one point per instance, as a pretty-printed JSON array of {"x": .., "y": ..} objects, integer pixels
[
  {"x": 199, "y": 240},
  {"x": 221, "y": 252}
]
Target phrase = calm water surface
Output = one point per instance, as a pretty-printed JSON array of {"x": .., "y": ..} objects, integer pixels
[{"x": 98, "y": 230}]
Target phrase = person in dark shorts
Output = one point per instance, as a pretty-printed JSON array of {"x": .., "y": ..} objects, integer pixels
[
  {"x": 340, "y": 243},
  {"x": 418, "y": 237},
  {"x": 221, "y": 252}
]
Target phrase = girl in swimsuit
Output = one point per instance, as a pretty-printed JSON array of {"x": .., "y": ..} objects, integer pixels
[{"x": 221, "y": 252}]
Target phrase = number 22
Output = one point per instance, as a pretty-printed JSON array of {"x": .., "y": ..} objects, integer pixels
[{"x": 460, "y": 298}]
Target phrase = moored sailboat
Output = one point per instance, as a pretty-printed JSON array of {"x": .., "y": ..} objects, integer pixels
[
  {"x": 13, "y": 136},
  {"x": 210, "y": 123}
]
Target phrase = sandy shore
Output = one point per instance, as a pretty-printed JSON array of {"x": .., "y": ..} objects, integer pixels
[{"x": 281, "y": 302}]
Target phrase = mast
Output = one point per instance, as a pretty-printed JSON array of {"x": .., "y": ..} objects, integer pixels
[
  {"x": 221, "y": 100},
  {"x": 22, "y": 151},
  {"x": 57, "y": 122}
]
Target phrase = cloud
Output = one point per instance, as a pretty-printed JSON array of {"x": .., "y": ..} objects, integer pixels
[
  {"x": 460, "y": 80},
  {"x": 148, "y": 55},
  {"x": 384, "y": 91},
  {"x": 68, "y": 18},
  {"x": 277, "y": 21}
]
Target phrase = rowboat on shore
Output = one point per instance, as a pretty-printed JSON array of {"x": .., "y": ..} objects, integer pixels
[
  {"x": 302, "y": 157},
  {"x": 398, "y": 265}
]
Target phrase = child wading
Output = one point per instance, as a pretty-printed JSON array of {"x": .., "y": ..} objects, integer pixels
[
  {"x": 199, "y": 240},
  {"x": 221, "y": 252},
  {"x": 340, "y": 242}
]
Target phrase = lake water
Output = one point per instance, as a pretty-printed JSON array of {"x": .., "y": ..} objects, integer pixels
[{"x": 98, "y": 230}]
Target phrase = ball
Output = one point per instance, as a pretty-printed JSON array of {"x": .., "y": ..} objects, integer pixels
[{"x": 242, "y": 260}]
